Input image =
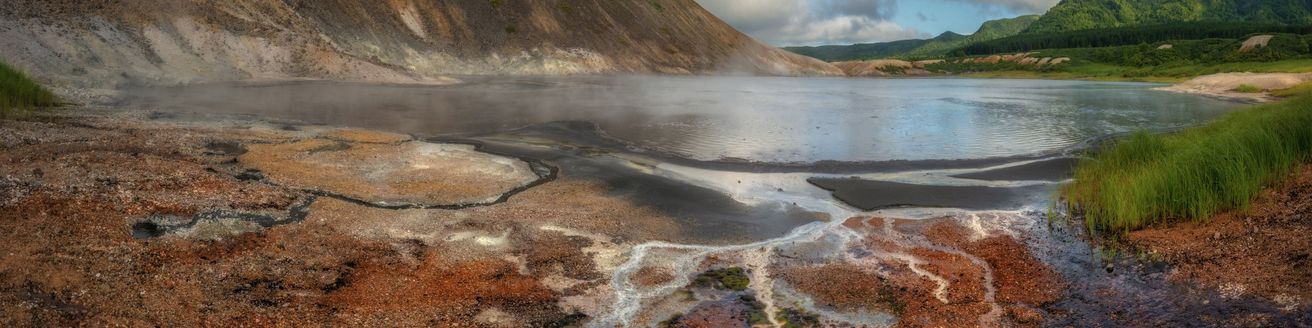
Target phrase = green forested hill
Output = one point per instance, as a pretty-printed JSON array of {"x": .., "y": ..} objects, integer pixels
[
  {"x": 872, "y": 50},
  {"x": 990, "y": 30},
  {"x": 1071, "y": 15},
  {"x": 937, "y": 46}
]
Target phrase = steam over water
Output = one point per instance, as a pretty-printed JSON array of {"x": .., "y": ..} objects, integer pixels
[{"x": 765, "y": 119}]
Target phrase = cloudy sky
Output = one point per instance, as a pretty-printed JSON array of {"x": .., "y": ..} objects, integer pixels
[{"x": 817, "y": 22}]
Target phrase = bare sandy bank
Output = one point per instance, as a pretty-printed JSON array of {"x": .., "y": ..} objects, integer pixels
[{"x": 1223, "y": 85}]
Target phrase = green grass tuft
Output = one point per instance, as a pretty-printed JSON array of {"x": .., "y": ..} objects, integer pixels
[
  {"x": 1248, "y": 88},
  {"x": 1148, "y": 179},
  {"x": 17, "y": 92},
  {"x": 1305, "y": 87},
  {"x": 732, "y": 278}
]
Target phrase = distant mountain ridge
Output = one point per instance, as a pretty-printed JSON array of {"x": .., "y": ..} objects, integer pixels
[
  {"x": 915, "y": 48},
  {"x": 990, "y": 30},
  {"x": 1072, "y": 15},
  {"x": 872, "y": 50}
]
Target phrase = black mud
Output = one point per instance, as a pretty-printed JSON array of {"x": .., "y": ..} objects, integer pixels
[
  {"x": 872, "y": 195},
  {"x": 161, "y": 225}
]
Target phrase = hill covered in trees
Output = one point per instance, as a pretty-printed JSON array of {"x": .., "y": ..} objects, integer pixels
[
  {"x": 918, "y": 48},
  {"x": 873, "y": 50},
  {"x": 1127, "y": 35},
  {"x": 1074, "y": 15}
]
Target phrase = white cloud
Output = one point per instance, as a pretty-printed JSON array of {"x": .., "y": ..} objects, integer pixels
[{"x": 811, "y": 22}]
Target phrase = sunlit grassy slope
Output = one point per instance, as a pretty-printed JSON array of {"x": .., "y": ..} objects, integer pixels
[{"x": 1189, "y": 176}]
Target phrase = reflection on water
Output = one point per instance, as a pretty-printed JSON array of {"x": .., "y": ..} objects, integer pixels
[{"x": 756, "y": 118}]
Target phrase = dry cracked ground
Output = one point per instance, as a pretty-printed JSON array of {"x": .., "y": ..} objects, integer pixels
[{"x": 138, "y": 219}]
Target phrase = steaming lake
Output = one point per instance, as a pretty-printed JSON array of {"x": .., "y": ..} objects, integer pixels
[{"x": 769, "y": 119}]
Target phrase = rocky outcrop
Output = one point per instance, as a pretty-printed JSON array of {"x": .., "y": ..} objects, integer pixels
[
  {"x": 1023, "y": 58},
  {"x": 896, "y": 67},
  {"x": 1256, "y": 42},
  {"x": 102, "y": 44}
]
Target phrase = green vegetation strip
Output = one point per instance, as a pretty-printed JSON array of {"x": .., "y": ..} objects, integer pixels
[
  {"x": 732, "y": 278},
  {"x": 1149, "y": 179},
  {"x": 1249, "y": 88},
  {"x": 17, "y": 92}
]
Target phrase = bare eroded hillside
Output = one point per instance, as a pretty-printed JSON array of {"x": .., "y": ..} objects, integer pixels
[{"x": 104, "y": 44}]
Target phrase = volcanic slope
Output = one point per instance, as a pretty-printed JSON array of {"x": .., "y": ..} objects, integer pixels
[{"x": 106, "y": 44}]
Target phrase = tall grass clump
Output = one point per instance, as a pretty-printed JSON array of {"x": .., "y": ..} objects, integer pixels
[
  {"x": 1147, "y": 179},
  {"x": 17, "y": 92},
  {"x": 1248, "y": 88},
  {"x": 1302, "y": 88}
]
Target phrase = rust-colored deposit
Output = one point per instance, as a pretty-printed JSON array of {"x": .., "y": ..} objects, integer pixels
[
  {"x": 443, "y": 292},
  {"x": 1263, "y": 252},
  {"x": 73, "y": 188},
  {"x": 846, "y": 287},
  {"x": 932, "y": 273}
]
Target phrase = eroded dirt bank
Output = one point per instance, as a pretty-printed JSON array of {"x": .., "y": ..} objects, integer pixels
[
  {"x": 135, "y": 218},
  {"x": 1265, "y": 251},
  {"x": 1226, "y": 85}
]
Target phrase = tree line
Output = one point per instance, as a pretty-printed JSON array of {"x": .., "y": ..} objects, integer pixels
[{"x": 1129, "y": 35}]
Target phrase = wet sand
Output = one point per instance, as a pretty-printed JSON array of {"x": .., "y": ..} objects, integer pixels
[{"x": 1056, "y": 169}]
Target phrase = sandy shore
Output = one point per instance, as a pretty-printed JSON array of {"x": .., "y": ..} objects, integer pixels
[{"x": 1223, "y": 85}]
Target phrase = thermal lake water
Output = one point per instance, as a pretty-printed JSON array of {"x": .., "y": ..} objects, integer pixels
[{"x": 764, "y": 119}]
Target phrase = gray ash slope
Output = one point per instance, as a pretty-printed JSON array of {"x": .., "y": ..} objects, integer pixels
[{"x": 98, "y": 45}]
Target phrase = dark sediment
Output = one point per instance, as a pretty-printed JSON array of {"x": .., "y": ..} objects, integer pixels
[
  {"x": 703, "y": 214},
  {"x": 589, "y": 135},
  {"x": 1119, "y": 289},
  {"x": 873, "y": 195}
]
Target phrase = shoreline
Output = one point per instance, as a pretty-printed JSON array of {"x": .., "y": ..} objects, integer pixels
[{"x": 562, "y": 241}]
